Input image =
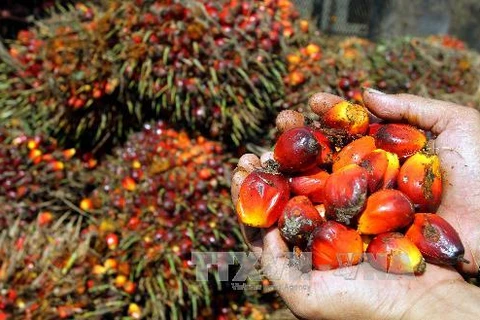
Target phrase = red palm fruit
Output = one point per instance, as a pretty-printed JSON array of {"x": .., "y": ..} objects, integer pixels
[
  {"x": 420, "y": 178},
  {"x": 45, "y": 218},
  {"x": 373, "y": 128},
  {"x": 382, "y": 167},
  {"x": 262, "y": 198},
  {"x": 386, "y": 210},
  {"x": 401, "y": 139},
  {"x": 129, "y": 287},
  {"x": 310, "y": 184},
  {"x": 345, "y": 193},
  {"x": 334, "y": 245},
  {"x": 112, "y": 241},
  {"x": 437, "y": 240},
  {"x": 298, "y": 220},
  {"x": 354, "y": 152},
  {"x": 392, "y": 252},
  {"x": 325, "y": 155},
  {"x": 352, "y": 118},
  {"x": 296, "y": 150}
]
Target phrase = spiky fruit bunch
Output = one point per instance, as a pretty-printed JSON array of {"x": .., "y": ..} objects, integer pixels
[
  {"x": 214, "y": 64},
  {"x": 93, "y": 72},
  {"x": 38, "y": 180},
  {"x": 381, "y": 181},
  {"x": 160, "y": 197}
]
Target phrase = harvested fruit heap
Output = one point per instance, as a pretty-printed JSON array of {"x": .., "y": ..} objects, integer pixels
[
  {"x": 343, "y": 185},
  {"x": 92, "y": 72},
  {"x": 435, "y": 67},
  {"x": 127, "y": 250}
]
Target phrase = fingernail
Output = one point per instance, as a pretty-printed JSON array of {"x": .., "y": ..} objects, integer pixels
[{"x": 374, "y": 91}]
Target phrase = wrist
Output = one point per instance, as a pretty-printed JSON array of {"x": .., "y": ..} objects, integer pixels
[{"x": 452, "y": 299}]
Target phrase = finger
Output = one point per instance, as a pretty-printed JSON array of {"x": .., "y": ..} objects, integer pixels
[
  {"x": 253, "y": 239},
  {"x": 239, "y": 176},
  {"x": 276, "y": 266},
  {"x": 321, "y": 102},
  {"x": 289, "y": 119},
  {"x": 424, "y": 113},
  {"x": 249, "y": 162}
]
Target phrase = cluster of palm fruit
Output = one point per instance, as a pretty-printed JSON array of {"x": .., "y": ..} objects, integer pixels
[
  {"x": 160, "y": 197},
  {"x": 123, "y": 245},
  {"x": 93, "y": 72}
]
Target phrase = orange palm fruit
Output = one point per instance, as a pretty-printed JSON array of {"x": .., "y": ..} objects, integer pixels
[
  {"x": 35, "y": 155},
  {"x": 354, "y": 152},
  {"x": 128, "y": 183},
  {"x": 386, "y": 210},
  {"x": 295, "y": 78},
  {"x": 437, "y": 240},
  {"x": 352, "y": 118},
  {"x": 45, "y": 218},
  {"x": 313, "y": 51},
  {"x": 420, "y": 178},
  {"x": 296, "y": 150},
  {"x": 392, "y": 252},
  {"x": 294, "y": 59},
  {"x": 298, "y": 220},
  {"x": 304, "y": 25},
  {"x": 56, "y": 165},
  {"x": 345, "y": 193},
  {"x": 262, "y": 198},
  {"x": 86, "y": 204},
  {"x": 134, "y": 311},
  {"x": 382, "y": 167},
  {"x": 401, "y": 139},
  {"x": 334, "y": 245},
  {"x": 325, "y": 155},
  {"x": 310, "y": 184},
  {"x": 69, "y": 153}
]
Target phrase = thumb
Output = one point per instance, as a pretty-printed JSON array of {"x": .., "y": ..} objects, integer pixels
[
  {"x": 277, "y": 266},
  {"x": 424, "y": 113}
]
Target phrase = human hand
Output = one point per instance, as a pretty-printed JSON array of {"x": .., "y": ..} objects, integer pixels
[{"x": 329, "y": 294}]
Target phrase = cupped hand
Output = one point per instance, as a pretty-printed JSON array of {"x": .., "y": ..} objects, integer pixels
[{"x": 361, "y": 291}]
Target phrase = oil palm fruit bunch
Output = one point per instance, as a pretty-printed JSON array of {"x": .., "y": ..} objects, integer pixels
[
  {"x": 331, "y": 185},
  {"x": 39, "y": 180},
  {"x": 159, "y": 197},
  {"x": 95, "y": 71},
  {"x": 216, "y": 65}
]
